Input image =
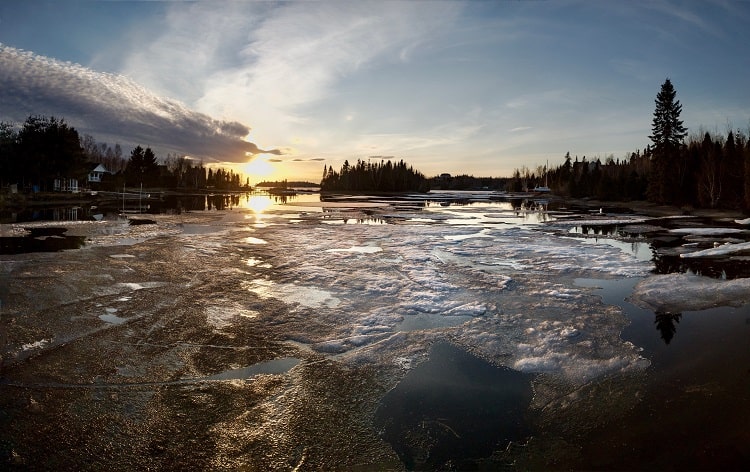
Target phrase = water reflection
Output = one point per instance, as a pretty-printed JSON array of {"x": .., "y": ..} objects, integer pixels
[
  {"x": 453, "y": 410},
  {"x": 258, "y": 203},
  {"x": 728, "y": 268},
  {"x": 534, "y": 211},
  {"x": 41, "y": 240},
  {"x": 666, "y": 325}
]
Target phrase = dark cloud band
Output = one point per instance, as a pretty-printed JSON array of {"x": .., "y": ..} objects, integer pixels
[{"x": 114, "y": 107}]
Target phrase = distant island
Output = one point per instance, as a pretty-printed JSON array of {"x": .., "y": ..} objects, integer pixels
[
  {"x": 383, "y": 176},
  {"x": 286, "y": 184}
]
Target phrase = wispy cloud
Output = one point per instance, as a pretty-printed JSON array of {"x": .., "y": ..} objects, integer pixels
[
  {"x": 519, "y": 129},
  {"x": 277, "y": 60},
  {"x": 108, "y": 105}
]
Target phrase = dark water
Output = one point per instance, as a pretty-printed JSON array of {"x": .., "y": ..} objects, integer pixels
[
  {"x": 453, "y": 410},
  {"x": 105, "y": 208},
  {"x": 696, "y": 409},
  {"x": 41, "y": 240}
]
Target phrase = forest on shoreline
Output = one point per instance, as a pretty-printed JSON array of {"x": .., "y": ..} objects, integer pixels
[
  {"x": 711, "y": 171},
  {"x": 43, "y": 150},
  {"x": 708, "y": 170}
]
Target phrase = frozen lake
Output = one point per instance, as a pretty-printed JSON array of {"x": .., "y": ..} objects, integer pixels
[{"x": 459, "y": 329}]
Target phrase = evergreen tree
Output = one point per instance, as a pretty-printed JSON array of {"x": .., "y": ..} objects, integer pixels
[
  {"x": 8, "y": 162},
  {"x": 141, "y": 167},
  {"x": 668, "y": 172},
  {"x": 47, "y": 148}
]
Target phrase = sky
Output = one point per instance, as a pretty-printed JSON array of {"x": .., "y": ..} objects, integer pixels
[{"x": 279, "y": 89}]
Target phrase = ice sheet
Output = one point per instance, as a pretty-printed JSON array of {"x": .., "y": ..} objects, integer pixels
[
  {"x": 440, "y": 278},
  {"x": 723, "y": 250},
  {"x": 483, "y": 276},
  {"x": 707, "y": 231},
  {"x": 676, "y": 293}
]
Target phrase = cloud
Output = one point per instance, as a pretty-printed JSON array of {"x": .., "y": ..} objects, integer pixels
[
  {"x": 519, "y": 129},
  {"x": 114, "y": 107},
  {"x": 249, "y": 60},
  {"x": 312, "y": 159}
]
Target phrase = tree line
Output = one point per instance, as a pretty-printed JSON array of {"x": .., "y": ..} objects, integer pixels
[
  {"x": 42, "y": 149},
  {"x": 383, "y": 176},
  {"x": 708, "y": 170},
  {"x": 467, "y": 182}
]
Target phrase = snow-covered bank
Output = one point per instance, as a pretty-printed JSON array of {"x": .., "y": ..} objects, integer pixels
[{"x": 676, "y": 293}]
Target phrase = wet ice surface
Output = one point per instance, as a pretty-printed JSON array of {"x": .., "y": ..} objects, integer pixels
[{"x": 162, "y": 325}]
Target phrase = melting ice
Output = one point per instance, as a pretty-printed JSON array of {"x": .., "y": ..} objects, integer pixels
[{"x": 495, "y": 287}]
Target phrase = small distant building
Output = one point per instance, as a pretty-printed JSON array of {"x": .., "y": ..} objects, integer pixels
[
  {"x": 65, "y": 185},
  {"x": 96, "y": 174}
]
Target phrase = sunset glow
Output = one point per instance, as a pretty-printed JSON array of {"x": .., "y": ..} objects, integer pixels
[
  {"x": 258, "y": 167},
  {"x": 456, "y": 87}
]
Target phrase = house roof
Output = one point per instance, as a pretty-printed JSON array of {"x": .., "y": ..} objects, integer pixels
[{"x": 100, "y": 168}]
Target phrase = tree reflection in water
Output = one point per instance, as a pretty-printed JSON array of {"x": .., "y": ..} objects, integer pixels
[{"x": 666, "y": 324}]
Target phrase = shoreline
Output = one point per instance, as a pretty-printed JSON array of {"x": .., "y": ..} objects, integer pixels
[{"x": 51, "y": 199}]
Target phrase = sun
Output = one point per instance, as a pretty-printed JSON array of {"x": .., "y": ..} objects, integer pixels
[{"x": 258, "y": 167}]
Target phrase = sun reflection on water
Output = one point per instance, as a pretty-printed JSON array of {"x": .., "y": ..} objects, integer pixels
[{"x": 258, "y": 203}]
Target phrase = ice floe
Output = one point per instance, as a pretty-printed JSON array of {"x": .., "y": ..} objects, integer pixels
[
  {"x": 723, "y": 250},
  {"x": 707, "y": 231},
  {"x": 677, "y": 293},
  {"x": 432, "y": 280}
]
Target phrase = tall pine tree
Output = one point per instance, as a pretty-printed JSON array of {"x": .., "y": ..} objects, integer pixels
[{"x": 668, "y": 172}]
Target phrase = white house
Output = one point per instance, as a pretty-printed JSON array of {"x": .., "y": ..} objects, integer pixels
[
  {"x": 65, "y": 185},
  {"x": 97, "y": 173}
]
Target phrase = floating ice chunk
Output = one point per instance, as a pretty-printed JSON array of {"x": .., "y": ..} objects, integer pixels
[
  {"x": 723, "y": 250},
  {"x": 675, "y": 293},
  {"x": 461, "y": 237},
  {"x": 252, "y": 240},
  {"x": 35, "y": 345},
  {"x": 746, "y": 221},
  {"x": 624, "y": 219},
  {"x": 359, "y": 249},
  {"x": 706, "y": 231},
  {"x": 142, "y": 285},
  {"x": 309, "y": 297},
  {"x": 469, "y": 309}
]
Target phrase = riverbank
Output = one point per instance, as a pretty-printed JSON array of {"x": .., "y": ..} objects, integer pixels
[
  {"x": 651, "y": 209},
  {"x": 41, "y": 199}
]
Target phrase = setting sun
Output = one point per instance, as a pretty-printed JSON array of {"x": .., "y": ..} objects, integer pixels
[{"x": 258, "y": 167}]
